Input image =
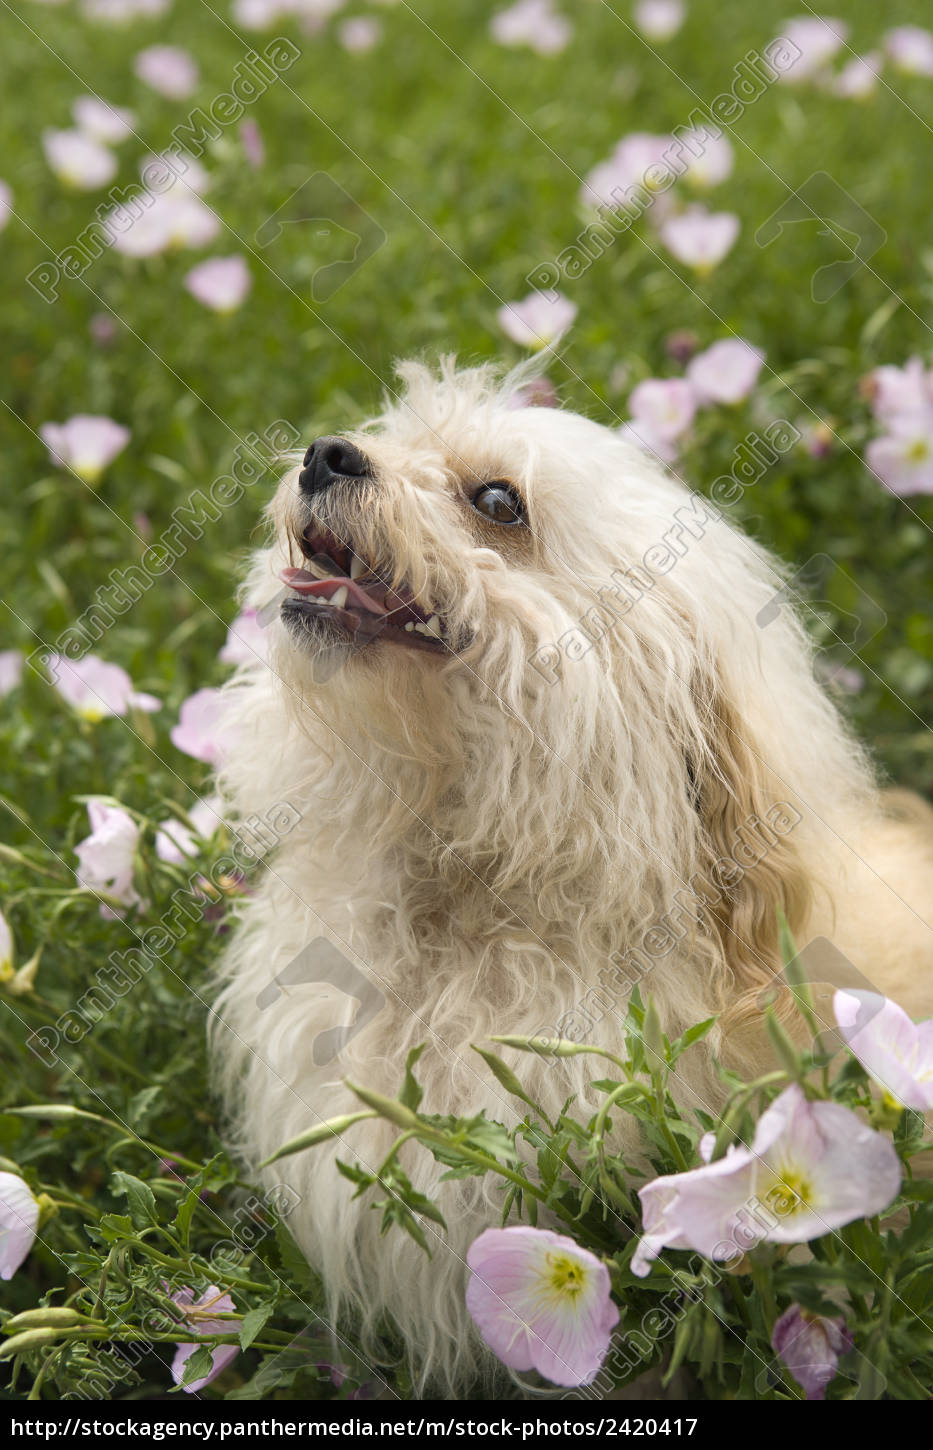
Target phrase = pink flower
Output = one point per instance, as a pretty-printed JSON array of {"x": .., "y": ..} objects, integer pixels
[
  {"x": 86, "y": 444},
  {"x": 19, "y": 1219},
  {"x": 253, "y": 146},
  {"x": 812, "y": 1167},
  {"x": 6, "y": 949},
  {"x": 713, "y": 161},
  {"x": 537, "y": 321},
  {"x": 817, "y": 38},
  {"x": 901, "y": 390},
  {"x": 810, "y": 1346},
  {"x": 247, "y": 642},
  {"x": 168, "y": 69},
  {"x": 911, "y": 49},
  {"x": 360, "y": 33},
  {"x": 663, "y": 407},
  {"x": 541, "y": 1302},
  {"x": 78, "y": 160},
  {"x": 895, "y": 1051},
  {"x": 539, "y": 393},
  {"x": 200, "y": 1314},
  {"x": 903, "y": 458},
  {"x": 11, "y": 670},
  {"x": 725, "y": 372},
  {"x": 176, "y": 219},
  {"x": 256, "y": 14},
  {"x": 6, "y": 204},
  {"x": 175, "y": 842},
  {"x": 628, "y": 172},
  {"x": 102, "y": 122},
  {"x": 659, "y": 19},
  {"x": 700, "y": 238},
  {"x": 103, "y": 328},
  {"x": 198, "y": 732},
  {"x": 221, "y": 283},
  {"x": 95, "y": 689},
  {"x": 106, "y": 857},
  {"x": 642, "y": 437},
  {"x": 859, "y": 78},
  {"x": 533, "y": 23},
  {"x": 162, "y": 171}
]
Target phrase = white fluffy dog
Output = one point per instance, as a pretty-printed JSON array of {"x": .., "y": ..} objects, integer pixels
[{"x": 542, "y": 747}]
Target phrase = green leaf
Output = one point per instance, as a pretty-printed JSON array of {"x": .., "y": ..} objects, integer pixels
[
  {"x": 139, "y": 1197},
  {"x": 197, "y": 1365},
  {"x": 412, "y": 1092},
  {"x": 253, "y": 1321}
]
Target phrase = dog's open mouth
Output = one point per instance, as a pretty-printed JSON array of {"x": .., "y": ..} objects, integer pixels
[{"x": 342, "y": 594}]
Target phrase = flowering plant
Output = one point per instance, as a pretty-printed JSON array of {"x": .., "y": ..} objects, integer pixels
[{"x": 782, "y": 1250}]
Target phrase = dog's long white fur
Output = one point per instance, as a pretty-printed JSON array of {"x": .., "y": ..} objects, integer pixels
[{"x": 480, "y": 838}]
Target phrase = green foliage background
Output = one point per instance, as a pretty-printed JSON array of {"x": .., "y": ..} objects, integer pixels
[{"x": 469, "y": 156}]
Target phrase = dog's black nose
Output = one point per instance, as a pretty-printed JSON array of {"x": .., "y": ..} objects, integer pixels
[{"x": 330, "y": 459}]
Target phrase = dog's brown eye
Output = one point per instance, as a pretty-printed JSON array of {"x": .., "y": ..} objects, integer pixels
[{"x": 499, "y": 502}]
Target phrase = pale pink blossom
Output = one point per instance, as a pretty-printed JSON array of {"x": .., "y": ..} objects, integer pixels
[
  {"x": 534, "y": 23},
  {"x": 811, "y": 1347},
  {"x": 253, "y": 145},
  {"x": 6, "y": 949},
  {"x": 859, "y": 77},
  {"x": 168, "y": 69},
  {"x": 172, "y": 221},
  {"x": 11, "y": 670},
  {"x": 198, "y": 732},
  {"x": 247, "y": 642},
  {"x": 709, "y": 159},
  {"x": 359, "y": 33},
  {"x": 663, "y": 408},
  {"x": 162, "y": 171},
  {"x": 902, "y": 459},
  {"x": 911, "y": 49},
  {"x": 700, "y": 238},
  {"x": 120, "y": 12},
  {"x": 102, "y": 122},
  {"x": 6, "y": 204},
  {"x": 812, "y": 1167},
  {"x": 107, "y": 856},
  {"x": 659, "y": 19},
  {"x": 541, "y": 1302},
  {"x": 221, "y": 283},
  {"x": 96, "y": 689},
  {"x": 817, "y": 37},
  {"x": 897, "y": 390},
  {"x": 176, "y": 842},
  {"x": 538, "y": 393},
  {"x": 639, "y": 434},
  {"x": 19, "y": 1220},
  {"x": 78, "y": 160},
  {"x": 726, "y": 372},
  {"x": 641, "y": 162},
  {"x": 895, "y": 1051},
  {"x": 540, "y": 319},
  {"x": 201, "y": 1315},
  {"x": 86, "y": 443},
  {"x": 257, "y": 14}
]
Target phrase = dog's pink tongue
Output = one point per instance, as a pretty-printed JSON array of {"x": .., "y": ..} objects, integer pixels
[{"x": 306, "y": 583}]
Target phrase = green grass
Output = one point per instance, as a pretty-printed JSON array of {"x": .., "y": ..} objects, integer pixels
[{"x": 469, "y": 157}]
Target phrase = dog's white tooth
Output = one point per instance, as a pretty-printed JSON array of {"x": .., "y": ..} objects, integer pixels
[
  {"x": 357, "y": 568},
  {"x": 339, "y": 599},
  {"x": 410, "y": 626},
  {"x": 422, "y": 628},
  {"x": 434, "y": 626}
]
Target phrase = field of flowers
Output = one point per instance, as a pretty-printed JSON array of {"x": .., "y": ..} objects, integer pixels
[{"x": 220, "y": 224}]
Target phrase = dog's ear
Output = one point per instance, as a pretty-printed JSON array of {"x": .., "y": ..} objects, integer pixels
[{"x": 746, "y": 822}]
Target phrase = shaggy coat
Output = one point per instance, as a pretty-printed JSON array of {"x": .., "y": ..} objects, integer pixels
[{"x": 619, "y": 770}]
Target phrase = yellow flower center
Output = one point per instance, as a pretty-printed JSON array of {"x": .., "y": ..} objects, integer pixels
[
  {"x": 918, "y": 450},
  {"x": 791, "y": 1192},
  {"x": 565, "y": 1275}
]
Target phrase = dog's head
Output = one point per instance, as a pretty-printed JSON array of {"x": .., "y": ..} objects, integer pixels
[{"x": 566, "y": 642}]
